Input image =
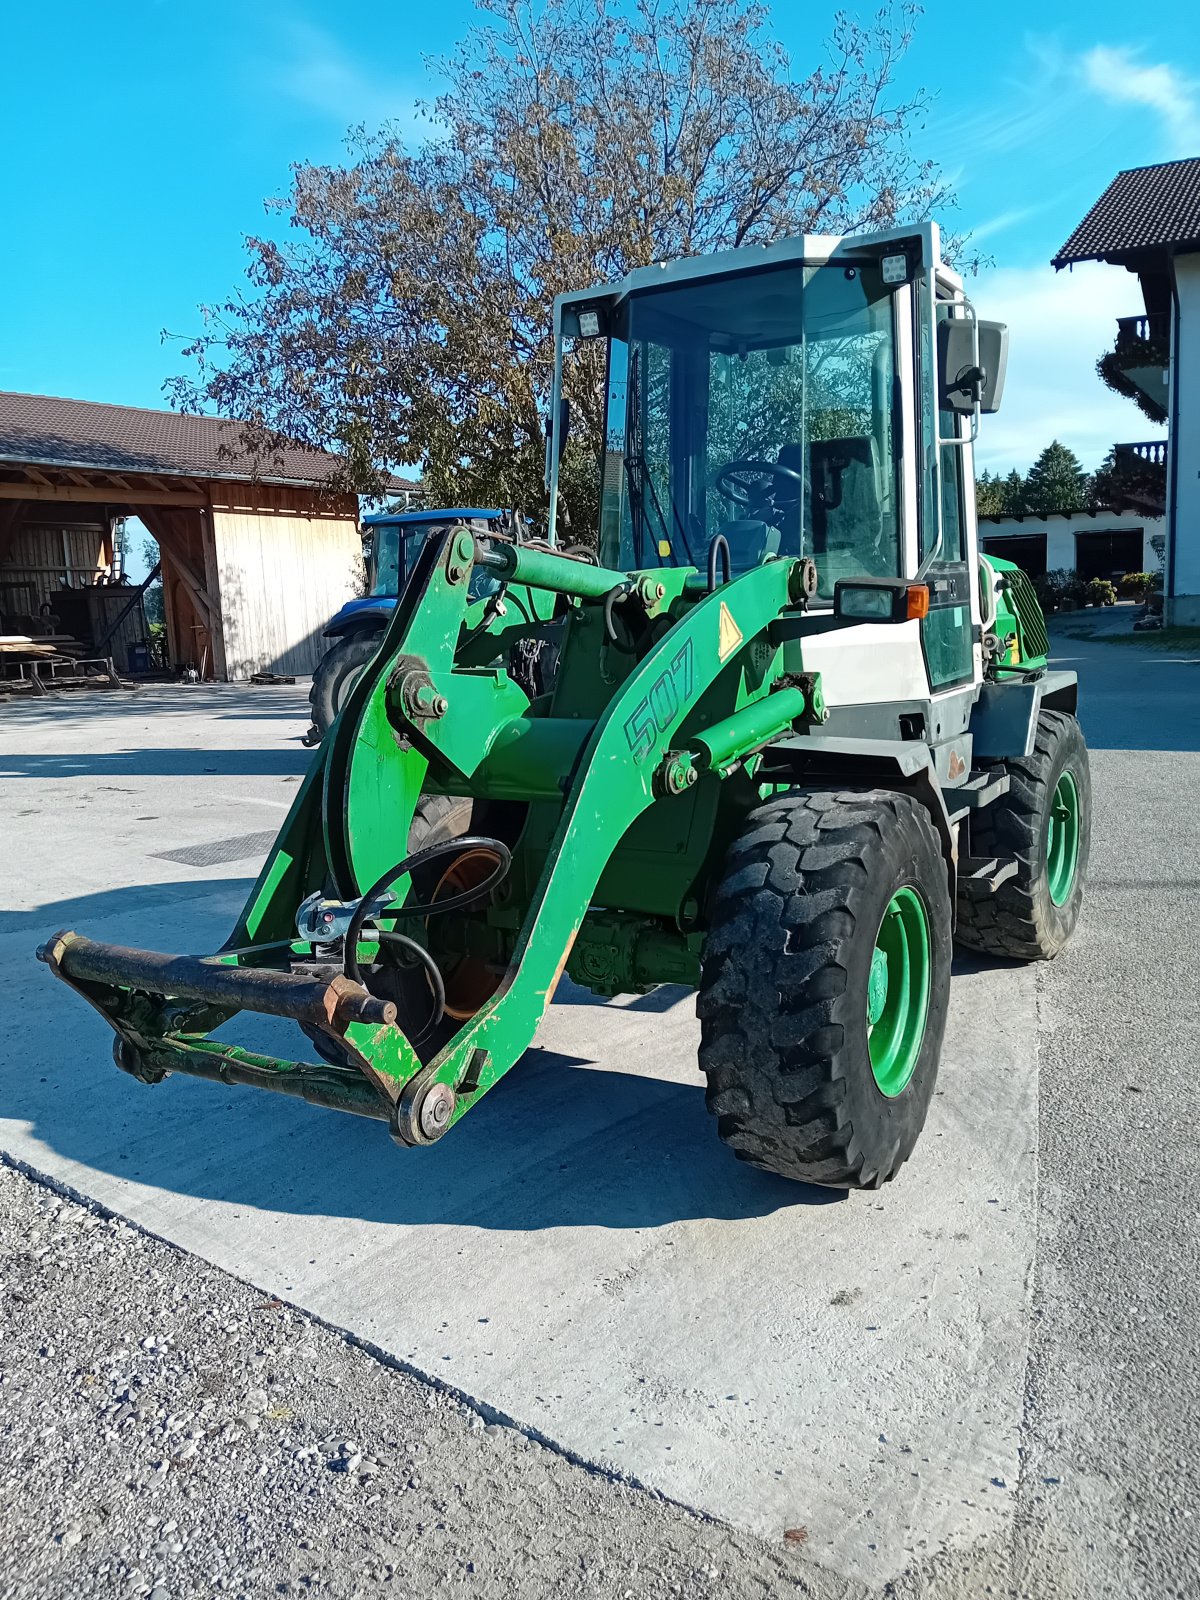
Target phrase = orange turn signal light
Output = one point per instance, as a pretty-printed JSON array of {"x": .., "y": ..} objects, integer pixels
[{"x": 918, "y": 601}]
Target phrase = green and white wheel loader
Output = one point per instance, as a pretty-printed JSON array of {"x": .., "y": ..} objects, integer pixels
[{"x": 797, "y": 732}]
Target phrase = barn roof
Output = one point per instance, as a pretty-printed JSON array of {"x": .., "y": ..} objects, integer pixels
[
  {"x": 46, "y": 431},
  {"x": 1143, "y": 208}
]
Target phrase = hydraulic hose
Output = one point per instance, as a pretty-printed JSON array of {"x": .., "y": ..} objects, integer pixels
[{"x": 454, "y": 902}]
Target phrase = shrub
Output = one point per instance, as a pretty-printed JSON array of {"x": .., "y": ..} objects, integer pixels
[
  {"x": 1136, "y": 585},
  {"x": 1066, "y": 588},
  {"x": 1100, "y": 592}
]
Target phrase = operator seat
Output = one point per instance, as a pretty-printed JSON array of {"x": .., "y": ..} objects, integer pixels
[
  {"x": 844, "y": 510},
  {"x": 751, "y": 541}
]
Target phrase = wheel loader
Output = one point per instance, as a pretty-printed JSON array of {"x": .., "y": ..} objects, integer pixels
[{"x": 798, "y": 737}]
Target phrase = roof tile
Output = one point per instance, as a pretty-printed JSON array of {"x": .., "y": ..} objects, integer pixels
[
  {"x": 1144, "y": 208},
  {"x": 43, "y": 430}
]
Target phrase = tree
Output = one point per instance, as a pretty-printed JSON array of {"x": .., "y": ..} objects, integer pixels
[
  {"x": 1014, "y": 495},
  {"x": 1056, "y": 481},
  {"x": 153, "y": 598},
  {"x": 407, "y": 316},
  {"x": 1105, "y": 487},
  {"x": 989, "y": 495}
]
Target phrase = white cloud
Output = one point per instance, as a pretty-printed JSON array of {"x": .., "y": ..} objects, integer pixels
[
  {"x": 1059, "y": 324},
  {"x": 318, "y": 73},
  {"x": 1119, "y": 76}
]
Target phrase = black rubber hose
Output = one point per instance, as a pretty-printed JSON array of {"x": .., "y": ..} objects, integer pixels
[
  {"x": 718, "y": 546},
  {"x": 454, "y": 902},
  {"x": 616, "y": 594},
  {"x": 438, "y": 1010}
]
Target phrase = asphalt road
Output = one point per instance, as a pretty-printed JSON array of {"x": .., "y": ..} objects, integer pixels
[{"x": 985, "y": 1376}]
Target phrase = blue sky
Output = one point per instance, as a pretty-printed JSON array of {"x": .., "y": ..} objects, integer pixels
[{"x": 142, "y": 137}]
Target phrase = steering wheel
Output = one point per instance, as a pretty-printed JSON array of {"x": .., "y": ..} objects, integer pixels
[{"x": 784, "y": 489}]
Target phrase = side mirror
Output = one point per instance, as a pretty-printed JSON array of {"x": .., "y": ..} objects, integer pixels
[{"x": 964, "y": 382}]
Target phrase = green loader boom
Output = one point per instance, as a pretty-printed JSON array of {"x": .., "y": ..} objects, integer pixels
[{"x": 623, "y": 776}]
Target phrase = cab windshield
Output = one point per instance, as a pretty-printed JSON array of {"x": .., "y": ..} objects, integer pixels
[{"x": 759, "y": 406}]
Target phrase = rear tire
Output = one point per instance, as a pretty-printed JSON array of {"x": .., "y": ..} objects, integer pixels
[
  {"x": 1032, "y": 915},
  {"x": 795, "y": 965},
  {"x": 337, "y": 672}
]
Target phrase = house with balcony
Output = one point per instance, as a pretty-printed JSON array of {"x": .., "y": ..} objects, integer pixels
[{"x": 1148, "y": 221}]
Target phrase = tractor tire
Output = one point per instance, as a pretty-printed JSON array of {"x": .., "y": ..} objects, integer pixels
[
  {"x": 337, "y": 672},
  {"x": 1044, "y": 822},
  {"x": 825, "y": 979}
]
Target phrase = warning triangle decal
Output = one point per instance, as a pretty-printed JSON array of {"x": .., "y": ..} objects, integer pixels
[{"x": 729, "y": 635}]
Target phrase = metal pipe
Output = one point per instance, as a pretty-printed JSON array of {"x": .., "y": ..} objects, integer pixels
[
  {"x": 334, "y": 1087},
  {"x": 277, "y": 994}
]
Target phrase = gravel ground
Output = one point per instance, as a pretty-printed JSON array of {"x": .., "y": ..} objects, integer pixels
[{"x": 166, "y": 1430}]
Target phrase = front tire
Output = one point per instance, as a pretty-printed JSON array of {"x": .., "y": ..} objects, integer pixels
[
  {"x": 1044, "y": 822},
  {"x": 825, "y": 980},
  {"x": 337, "y": 672}
]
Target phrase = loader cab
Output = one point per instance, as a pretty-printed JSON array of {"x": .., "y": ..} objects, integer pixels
[
  {"x": 791, "y": 401},
  {"x": 760, "y": 407}
]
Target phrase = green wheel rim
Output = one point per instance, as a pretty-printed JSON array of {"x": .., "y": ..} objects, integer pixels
[
  {"x": 898, "y": 991},
  {"x": 1062, "y": 839}
]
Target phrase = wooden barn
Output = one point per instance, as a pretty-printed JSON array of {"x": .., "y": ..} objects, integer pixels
[{"x": 256, "y": 557}]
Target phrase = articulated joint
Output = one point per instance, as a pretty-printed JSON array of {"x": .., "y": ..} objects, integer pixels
[
  {"x": 802, "y": 581},
  {"x": 419, "y": 700},
  {"x": 461, "y": 558},
  {"x": 677, "y": 772},
  {"x": 809, "y": 684}
]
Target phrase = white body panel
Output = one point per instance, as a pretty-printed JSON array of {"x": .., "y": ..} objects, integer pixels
[{"x": 872, "y": 664}]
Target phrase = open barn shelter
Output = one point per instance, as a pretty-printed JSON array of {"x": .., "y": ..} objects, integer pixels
[{"x": 256, "y": 553}]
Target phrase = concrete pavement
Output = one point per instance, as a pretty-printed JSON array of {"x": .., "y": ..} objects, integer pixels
[{"x": 581, "y": 1255}]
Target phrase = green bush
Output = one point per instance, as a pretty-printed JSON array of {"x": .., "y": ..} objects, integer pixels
[
  {"x": 1063, "y": 588},
  {"x": 1137, "y": 585},
  {"x": 1100, "y": 592}
]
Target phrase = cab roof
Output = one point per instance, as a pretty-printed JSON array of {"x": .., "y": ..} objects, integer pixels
[{"x": 413, "y": 518}]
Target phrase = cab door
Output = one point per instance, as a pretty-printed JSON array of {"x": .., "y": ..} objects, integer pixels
[{"x": 948, "y": 632}]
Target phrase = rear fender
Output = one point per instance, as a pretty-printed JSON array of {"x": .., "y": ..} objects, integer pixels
[
  {"x": 1004, "y": 718},
  {"x": 360, "y": 617}
]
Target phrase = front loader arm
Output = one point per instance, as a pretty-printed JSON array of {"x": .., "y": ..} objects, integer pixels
[
  {"x": 417, "y": 708},
  {"x": 626, "y": 765}
]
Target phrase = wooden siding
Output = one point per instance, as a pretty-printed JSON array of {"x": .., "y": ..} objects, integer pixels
[
  {"x": 281, "y": 576},
  {"x": 44, "y": 555},
  {"x": 312, "y": 504}
]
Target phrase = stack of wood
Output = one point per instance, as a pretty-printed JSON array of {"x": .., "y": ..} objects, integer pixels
[{"x": 23, "y": 656}]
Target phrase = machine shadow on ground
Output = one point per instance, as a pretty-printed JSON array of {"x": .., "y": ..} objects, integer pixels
[
  {"x": 561, "y": 1141},
  {"x": 169, "y": 762}
]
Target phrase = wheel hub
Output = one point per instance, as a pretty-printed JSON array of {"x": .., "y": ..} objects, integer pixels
[
  {"x": 1062, "y": 839},
  {"x": 898, "y": 991},
  {"x": 877, "y": 986}
]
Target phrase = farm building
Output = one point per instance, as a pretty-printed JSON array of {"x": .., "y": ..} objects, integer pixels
[
  {"x": 1096, "y": 544},
  {"x": 255, "y": 555}
]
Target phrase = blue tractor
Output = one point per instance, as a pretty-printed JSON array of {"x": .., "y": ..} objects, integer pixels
[{"x": 393, "y": 540}]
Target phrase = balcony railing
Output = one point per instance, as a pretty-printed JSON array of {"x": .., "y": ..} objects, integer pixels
[
  {"x": 1138, "y": 365},
  {"x": 1154, "y": 328},
  {"x": 1139, "y": 478},
  {"x": 1133, "y": 459}
]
